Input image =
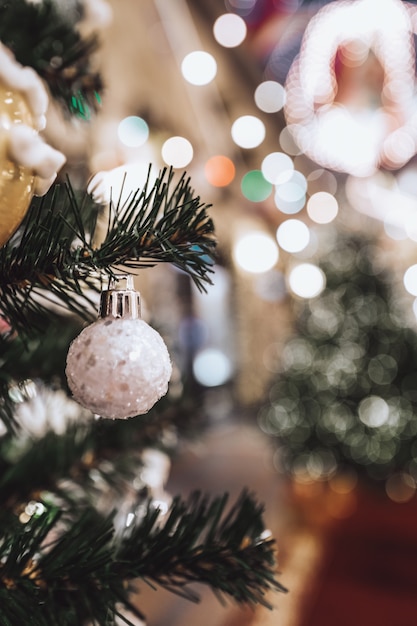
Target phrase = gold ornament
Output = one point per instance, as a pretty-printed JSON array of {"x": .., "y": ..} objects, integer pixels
[{"x": 17, "y": 183}]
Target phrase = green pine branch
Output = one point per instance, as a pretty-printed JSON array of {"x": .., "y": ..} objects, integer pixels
[
  {"x": 39, "y": 357},
  {"x": 199, "y": 543},
  {"x": 46, "y": 40},
  {"x": 82, "y": 564},
  {"x": 55, "y": 255},
  {"x": 68, "y": 569},
  {"x": 89, "y": 448},
  {"x": 46, "y": 580},
  {"x": 47, "y": 461}
]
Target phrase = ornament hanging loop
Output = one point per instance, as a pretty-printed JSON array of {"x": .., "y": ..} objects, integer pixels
[{"x": 117, "y": 302}]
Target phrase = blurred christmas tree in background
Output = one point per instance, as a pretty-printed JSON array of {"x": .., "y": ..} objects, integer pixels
[{"x": 345, "y": 399}]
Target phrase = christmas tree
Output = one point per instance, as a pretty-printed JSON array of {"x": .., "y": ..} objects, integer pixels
[
  {"x": 345, "y": 397},
  {"x": 79, "y": 523}
]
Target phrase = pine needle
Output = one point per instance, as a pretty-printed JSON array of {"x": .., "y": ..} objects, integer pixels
[{"x": 54, "y": 255}]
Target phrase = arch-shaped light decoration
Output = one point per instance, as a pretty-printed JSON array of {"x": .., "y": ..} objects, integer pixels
[{"x": 336, "y": 116}]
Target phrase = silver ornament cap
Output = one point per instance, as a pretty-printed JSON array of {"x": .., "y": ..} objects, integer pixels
[{"x": 118, "y": 302}]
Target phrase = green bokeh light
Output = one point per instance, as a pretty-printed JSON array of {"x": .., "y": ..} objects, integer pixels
[{"x": 255, "y": 187}]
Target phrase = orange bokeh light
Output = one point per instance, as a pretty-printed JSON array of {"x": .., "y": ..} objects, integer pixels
[{"x": 219, "y": 171}]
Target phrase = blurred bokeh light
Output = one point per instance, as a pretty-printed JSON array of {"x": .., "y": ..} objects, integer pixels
[
  {"x": 219, "y": 170},
  {"x": 133, "y": 131},
  {"x": 199, "y": 67},
  {"x": 256, "y": 252},
  {"x": 177, "y": 151},
  {"x": 293, "y": 235},
  {"x": 248, "y": 131},
  {"x": 255, "y": 187},
  {"x": 322, "y": 207},
  {"x": 306, "y": 280},
  {"x": 229, "y": 30},
  {"x": 211, "y": 367},
  {"x": 270, "y": 96}
]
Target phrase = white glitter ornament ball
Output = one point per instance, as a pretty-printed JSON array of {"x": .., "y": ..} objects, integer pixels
[{"x": 118, "y": 367}]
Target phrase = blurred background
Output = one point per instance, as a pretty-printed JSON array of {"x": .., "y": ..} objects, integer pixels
[{"x": 297, "y": 122}]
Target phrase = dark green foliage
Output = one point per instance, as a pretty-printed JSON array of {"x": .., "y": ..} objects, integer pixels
[
  {"x": 55, "y": 255},
  {"x": 198, "y": 542},
  {"x": 347, "y": 393},
  {"x": 72, "y": 560},
  {"x": 41, "y": 38},
  {"x": 65, "y": 568},
  {"x": 66, "y": 557}
]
